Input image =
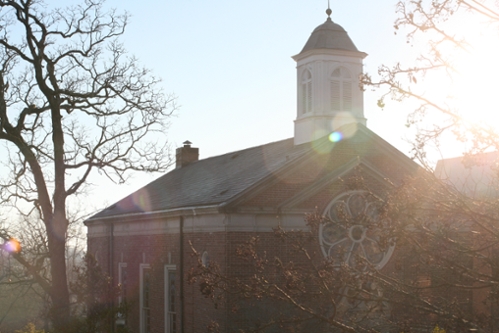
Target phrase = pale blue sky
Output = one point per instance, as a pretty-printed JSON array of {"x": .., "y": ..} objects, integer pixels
[{"x": 229, "y": 63}]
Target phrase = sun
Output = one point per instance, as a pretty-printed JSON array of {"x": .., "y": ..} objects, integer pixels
[
  {"x": 469, "y": 85},
  {"x": 466, "y": 90},
  {"x": 475, "y": 86}
]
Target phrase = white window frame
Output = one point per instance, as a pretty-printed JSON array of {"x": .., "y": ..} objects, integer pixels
[
  {"x": 168, "y": 269},
  {"x": 306, "y": 91},
  {"x": 142, "y": 319}
]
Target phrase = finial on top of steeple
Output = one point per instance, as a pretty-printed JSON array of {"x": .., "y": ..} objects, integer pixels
[{"x": 328, "y": 11}]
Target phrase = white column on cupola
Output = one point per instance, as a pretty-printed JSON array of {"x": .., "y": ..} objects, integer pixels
[{"x": 328, "y": 81}]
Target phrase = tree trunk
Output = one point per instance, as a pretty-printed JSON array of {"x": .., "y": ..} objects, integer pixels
[{"x": 59, "y": 295}]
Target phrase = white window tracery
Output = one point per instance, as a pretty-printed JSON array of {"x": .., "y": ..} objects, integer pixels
[{"x": 356, "y": 233}]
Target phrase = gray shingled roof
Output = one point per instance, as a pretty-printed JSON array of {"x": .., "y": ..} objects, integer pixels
[
  {"x": 221, "y": 179},
  {"x": 329, "y": 35},
  {"x": 210, "y": 181}
]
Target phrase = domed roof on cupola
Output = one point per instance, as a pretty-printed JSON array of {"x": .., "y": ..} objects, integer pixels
[
  {"x": 329, "y": 35},
  {"x": 329, "y": 69}
]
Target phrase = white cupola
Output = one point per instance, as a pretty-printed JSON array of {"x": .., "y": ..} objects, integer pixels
[{"x": 328, "y": 81}]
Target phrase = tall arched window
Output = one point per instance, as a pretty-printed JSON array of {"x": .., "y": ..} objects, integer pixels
[
  {"x": 341, "y": 90},
  {"x": 306, "y": 91}
]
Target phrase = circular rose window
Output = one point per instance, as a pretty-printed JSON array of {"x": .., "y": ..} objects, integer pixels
[{"x": 355, "y": 232}]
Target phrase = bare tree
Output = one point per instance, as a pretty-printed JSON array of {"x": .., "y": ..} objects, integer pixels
[
  {"x": 444, "y": 269},
  {"x": 25, "y": 266},
  {"x": 441, "y": 35},
  {"x": 453, "y": 235},
  {"x": 19, "y": 289},
  {"x": 71, "y": 102}
]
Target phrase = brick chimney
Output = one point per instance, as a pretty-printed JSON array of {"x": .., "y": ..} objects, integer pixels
[{"x": 186, "y": 155}]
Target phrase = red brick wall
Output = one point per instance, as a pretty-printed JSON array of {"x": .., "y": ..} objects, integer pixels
[
  {"x": 199, "y": 311},
  {"x": 132, "y": 248}
]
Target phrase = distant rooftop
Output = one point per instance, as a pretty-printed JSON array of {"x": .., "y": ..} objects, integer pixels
[{"x": 474, "y": 175}]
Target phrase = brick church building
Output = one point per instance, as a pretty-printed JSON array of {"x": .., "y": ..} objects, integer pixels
[{"x": 142, "y": 241}]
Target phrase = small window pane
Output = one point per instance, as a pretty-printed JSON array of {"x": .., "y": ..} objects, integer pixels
[
  {"x": 172, "y": 302},
  {"x": 146, "y": 300}
]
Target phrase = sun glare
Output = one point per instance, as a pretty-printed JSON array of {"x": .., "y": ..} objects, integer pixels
[
  {"x": 467, "y": 88},
  {"x": 475, "y": 86},
  {"x": 472, "y": 90}
]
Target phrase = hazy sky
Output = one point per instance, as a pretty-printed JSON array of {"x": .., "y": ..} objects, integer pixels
[{"x": 229, "y": 63}]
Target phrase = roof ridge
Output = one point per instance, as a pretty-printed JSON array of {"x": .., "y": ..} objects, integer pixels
[{"x": 245, "y": 149}]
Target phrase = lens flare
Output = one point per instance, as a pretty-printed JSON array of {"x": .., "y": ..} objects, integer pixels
[
  {"x": 347, "y": 123},
  {"x": 335, "y": 136},
  {"x": 142, "y": 200},
  {"x": 321, "y": 148},
  {"x": 12, "y": 246}
]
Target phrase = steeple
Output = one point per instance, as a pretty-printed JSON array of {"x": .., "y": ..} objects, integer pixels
[
  {"x": 328, "y": 11},
  {"x": 328, "y": 77}
]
